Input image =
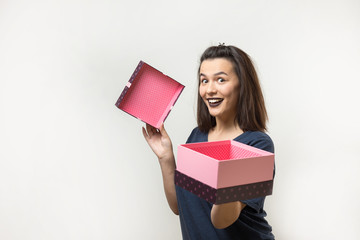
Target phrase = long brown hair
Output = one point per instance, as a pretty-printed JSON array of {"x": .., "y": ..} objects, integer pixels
[{"x": 251, "y": 113}]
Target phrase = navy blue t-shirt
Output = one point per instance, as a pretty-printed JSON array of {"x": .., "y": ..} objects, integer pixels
[{"x": 195, "y": 212}]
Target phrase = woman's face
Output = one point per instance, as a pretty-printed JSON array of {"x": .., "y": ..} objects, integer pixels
[{"x": 219, "y": 87}]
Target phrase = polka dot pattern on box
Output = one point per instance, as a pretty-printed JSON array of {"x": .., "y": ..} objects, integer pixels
[
  {"x": 123, "y": 93},
  {"x": 223, "y": 195}
]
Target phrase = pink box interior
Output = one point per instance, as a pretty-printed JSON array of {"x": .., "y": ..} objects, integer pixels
[
  {"x": 225, "y": 163},
  {"x": 223, "y": 151},
  {"x": 149, "y": 95}
]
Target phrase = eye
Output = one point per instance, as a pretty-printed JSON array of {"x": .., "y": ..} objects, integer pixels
[
  {"x": 203, "y": 81},
  {"x": 220, "y": 80}
]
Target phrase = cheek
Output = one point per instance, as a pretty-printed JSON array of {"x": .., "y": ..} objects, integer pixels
[
  {"x": 228, "y": 91},
  {"x": 231, "y": 93},
  {"x": 202, "y": 91}
]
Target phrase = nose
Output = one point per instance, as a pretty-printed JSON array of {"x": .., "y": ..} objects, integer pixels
[{"x": 211, "y": 88}]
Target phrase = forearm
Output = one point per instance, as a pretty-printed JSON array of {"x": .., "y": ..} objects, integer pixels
[
  {"x": 223, "y": 215},
  {"x": 168, "y": 173},
  {"x": 160, "y": 143}
]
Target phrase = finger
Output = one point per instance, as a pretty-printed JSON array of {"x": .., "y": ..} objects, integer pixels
[
  {"x": 146, "y": 136},
  {"x": 163, "y": 131},
  {"x": 154, "y": 130},
  {"x": 149, "y": 130}
]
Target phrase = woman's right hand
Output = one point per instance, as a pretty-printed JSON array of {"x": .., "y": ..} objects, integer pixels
[{"x": 159, "y": 141}]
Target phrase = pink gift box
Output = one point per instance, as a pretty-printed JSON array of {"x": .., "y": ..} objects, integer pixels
[
  {"x": 225, "y": 164},
  {"x": 224, "y": 171},
  {"x": 149, "y": 95}
]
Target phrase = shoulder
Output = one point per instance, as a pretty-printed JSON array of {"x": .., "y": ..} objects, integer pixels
[
  {"x": 197, "y": 136},
  {"x": 257, "y": 139}
]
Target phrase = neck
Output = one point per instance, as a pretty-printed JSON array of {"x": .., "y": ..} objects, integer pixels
[
  {"x": 226, "y": 125},
  {"x": 224, "y": 130},
  {"x": 226, "y": 122}
]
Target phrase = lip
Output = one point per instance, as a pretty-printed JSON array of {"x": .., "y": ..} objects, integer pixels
[{"x": 214, "y": 102}]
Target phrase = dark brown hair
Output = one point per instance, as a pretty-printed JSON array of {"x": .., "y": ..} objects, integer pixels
[{"x": 251, "y": 112}]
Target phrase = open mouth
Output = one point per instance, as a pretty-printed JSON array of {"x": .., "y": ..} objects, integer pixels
[{"x": 214, "y": 102}]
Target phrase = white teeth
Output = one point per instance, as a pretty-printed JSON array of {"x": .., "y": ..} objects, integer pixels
[{"x": 214, "y": 100}]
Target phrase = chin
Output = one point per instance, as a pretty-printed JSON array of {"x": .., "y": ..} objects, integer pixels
[{"x": 214, "y": 114}]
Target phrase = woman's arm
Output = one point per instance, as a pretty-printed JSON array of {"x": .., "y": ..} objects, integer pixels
[
  {"x": 160, "y": 142},
  {"x": 168, "y": 174},
  {"x": 223, "y": 215}
]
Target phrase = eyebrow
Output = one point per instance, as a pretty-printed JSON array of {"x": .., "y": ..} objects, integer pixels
[{"x": 216, "y": 74}]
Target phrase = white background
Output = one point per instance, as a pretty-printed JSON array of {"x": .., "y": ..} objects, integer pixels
[{"x": 73, "y": 166}]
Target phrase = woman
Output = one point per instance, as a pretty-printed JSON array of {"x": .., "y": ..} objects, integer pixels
[{"x": 230, "y": 106}]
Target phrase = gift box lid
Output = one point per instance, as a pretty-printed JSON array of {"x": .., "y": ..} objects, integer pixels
[{"x": 149, "y": 95}]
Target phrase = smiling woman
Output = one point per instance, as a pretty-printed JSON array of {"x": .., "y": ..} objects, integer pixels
[
  {"x": 230, "y": 106},
  {"x": 251, "y": 113}
]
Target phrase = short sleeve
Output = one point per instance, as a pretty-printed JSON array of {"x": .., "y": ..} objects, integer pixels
[
  {"x": 264, "y": 143},
  {"x": 256, "y": 204}
]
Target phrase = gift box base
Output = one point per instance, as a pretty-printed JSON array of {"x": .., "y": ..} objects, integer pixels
[{"x": 223, "y": 195}]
